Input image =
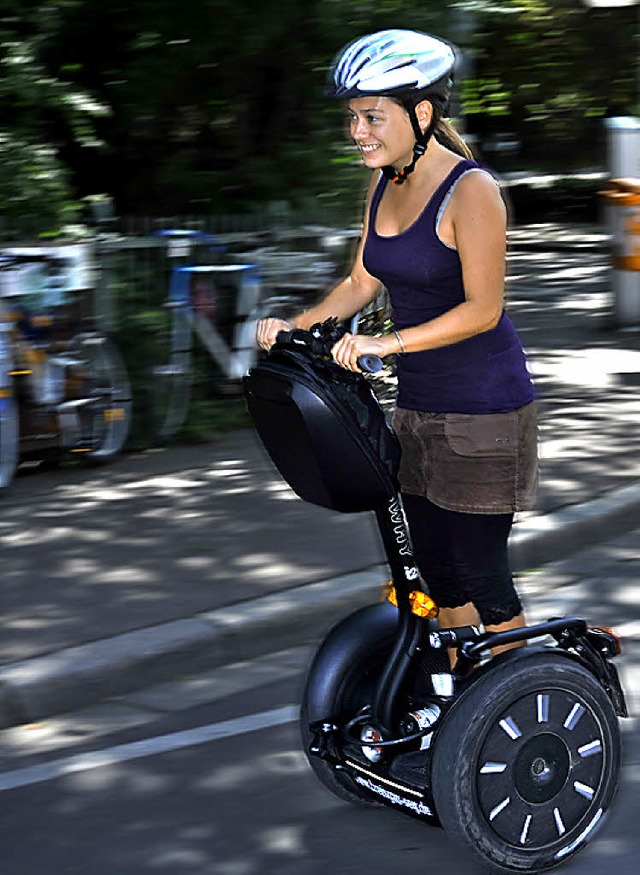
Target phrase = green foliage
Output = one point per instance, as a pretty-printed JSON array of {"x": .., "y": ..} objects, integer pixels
[
  {"x": 210, "y": 417},
  {"x": 562, "y": 199},
  {"x": 216, "y": 105},
  {"x": 550, "y": 71},
  {"x": 485, "y": 97},
  {"x": 35, "y": 195},
  {"x": 42, "y": 116}
]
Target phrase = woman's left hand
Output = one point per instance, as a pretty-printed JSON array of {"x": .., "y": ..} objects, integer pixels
[{"x": 350, "y": 347}]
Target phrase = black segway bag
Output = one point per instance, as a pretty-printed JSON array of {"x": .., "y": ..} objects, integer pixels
[{"x": 324, "y": 430}]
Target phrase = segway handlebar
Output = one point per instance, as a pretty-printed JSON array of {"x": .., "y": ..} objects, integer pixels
[{"x": 320, "y": 340}]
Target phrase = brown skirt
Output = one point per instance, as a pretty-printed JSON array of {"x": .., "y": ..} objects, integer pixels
[{"x": 474, "y": 463}]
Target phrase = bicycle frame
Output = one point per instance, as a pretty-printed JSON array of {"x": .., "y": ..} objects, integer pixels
[
  {"x": 236, "y": 357},
  {"x": 193, "y": 315}
]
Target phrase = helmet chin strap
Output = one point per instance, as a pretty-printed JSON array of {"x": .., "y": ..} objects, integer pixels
[{"x": 422, "y": 141}]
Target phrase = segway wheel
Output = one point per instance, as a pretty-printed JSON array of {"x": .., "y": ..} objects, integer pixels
[
  {"x": 356, "y": 691},
  {"x": 526, "y": 763}
]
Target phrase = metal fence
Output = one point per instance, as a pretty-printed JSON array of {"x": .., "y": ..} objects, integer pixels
[{"x": 130, "y": 293}]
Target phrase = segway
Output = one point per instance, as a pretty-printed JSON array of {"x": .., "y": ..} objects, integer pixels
[{"x": 517, "y": 755}]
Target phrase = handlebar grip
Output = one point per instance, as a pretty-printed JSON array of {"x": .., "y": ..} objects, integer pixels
[
  {"x": 370, "y": 364},
  {"x": 283, "y": 335}
]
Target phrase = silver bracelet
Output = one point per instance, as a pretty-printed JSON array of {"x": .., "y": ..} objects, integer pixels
[{"x": 403, "y": 351}]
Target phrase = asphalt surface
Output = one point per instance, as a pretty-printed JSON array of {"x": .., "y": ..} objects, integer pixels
[{"x": 173, "y": 561}]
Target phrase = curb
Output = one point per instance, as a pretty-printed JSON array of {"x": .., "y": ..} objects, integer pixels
[
  {"x": 86, "y": 674},
  {"x": 549, "y": 537}
]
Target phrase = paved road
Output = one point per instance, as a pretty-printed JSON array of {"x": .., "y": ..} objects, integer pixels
[{"x": 204, "y": 776}]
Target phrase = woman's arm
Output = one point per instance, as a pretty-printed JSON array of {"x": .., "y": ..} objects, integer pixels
[{"x": 347, "y": 298}]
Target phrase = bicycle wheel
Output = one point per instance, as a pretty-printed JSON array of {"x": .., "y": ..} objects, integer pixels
[
  {"x": 9, "y": 435},
  {"x": 526, "y": 763},
  {"x": 171, "y": 382},
  {"x": 104, "y": 420}
]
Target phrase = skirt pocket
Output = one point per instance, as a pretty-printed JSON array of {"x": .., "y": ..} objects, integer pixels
[{"x": 482, "y": 435}]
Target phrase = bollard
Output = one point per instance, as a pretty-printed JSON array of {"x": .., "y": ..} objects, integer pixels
[{"x": 622, "y": 197}]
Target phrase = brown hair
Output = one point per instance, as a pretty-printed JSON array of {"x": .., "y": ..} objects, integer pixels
[
  {"x": 444, "y": 132},
  {"x": 448, "y": 137}
]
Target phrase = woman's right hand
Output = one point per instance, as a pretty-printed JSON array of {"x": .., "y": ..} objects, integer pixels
[{"x": 267, "y": 331}]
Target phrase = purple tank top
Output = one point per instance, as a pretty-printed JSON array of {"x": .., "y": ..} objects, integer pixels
[{"x": 486, "y": 373}]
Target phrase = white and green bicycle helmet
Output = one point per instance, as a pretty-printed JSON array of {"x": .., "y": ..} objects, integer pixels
[{"x": 404, "y": 64}]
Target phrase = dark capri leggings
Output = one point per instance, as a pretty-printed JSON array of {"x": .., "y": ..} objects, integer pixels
[{"x": 463, "y": 557}]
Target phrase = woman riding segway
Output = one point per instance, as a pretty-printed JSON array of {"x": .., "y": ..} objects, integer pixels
[
  {"x": 434, "y": 235},
  {"x": 514, "y": 750}
]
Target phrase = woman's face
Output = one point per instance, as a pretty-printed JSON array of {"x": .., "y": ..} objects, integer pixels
[{"x": 381, "y": 129}]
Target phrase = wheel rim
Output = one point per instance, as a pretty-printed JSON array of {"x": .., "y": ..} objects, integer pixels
[
  {"x": 541, "y": 769},
  {"x": 107, "y": 420}
]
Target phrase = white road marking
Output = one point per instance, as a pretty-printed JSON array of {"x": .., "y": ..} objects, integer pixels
[{"x": 146, "y": 747}]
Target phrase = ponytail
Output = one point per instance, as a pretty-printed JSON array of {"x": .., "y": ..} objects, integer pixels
[{"x": 448, "y": 137}]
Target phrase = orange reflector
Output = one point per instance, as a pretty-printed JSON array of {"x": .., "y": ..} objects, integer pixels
[
  {"x": 627, "y": 262},
  {"x": 114, "y": 414},
  {"x": 389, "y": 591},
  {"x": 422, "y": 605}
]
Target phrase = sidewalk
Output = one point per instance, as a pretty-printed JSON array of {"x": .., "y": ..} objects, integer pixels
[{"x": 173, "y": 561}]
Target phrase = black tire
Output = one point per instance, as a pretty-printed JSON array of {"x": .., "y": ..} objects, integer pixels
[
  {"x": 526, "y": 763},
  {"x": 355, "y": 691},
  {"x": 106, "y": 421}
]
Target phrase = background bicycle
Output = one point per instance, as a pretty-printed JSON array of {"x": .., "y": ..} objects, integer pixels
[
  {"x": 63, "y": 384},
  {"x": 218, "y": 304}
]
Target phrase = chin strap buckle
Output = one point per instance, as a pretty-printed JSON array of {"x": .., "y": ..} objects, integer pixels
[{"x": 399, "y": 176}]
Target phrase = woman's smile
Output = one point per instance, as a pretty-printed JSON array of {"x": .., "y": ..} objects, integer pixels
[{"x": 381, "y": 130}]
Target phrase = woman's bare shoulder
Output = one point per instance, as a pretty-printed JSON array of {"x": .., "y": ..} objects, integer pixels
[
  {"x": 478, "y": 193},
  {"x": 478, "y": 182}
]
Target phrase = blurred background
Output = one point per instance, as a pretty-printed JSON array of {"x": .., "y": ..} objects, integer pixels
[
  {"x": 211, "y": 107},
  {"x": 169, "y": 172},
  {"x": 167, "y": 135}
]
